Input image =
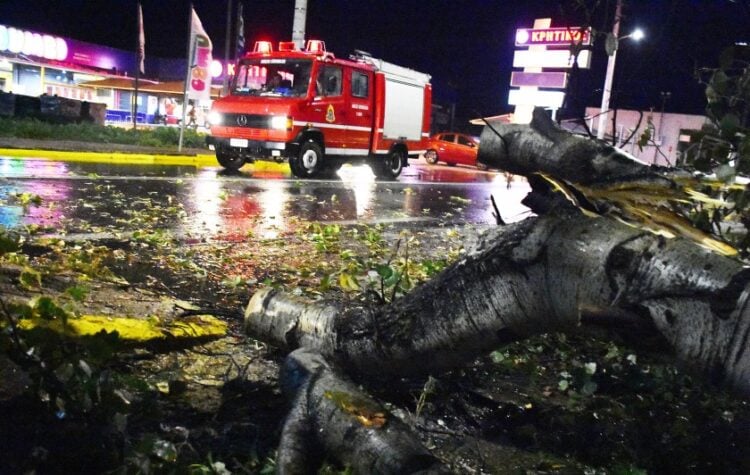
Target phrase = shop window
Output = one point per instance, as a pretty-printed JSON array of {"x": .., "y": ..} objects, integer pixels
[
  {"x": 29, "y": 80},
  {"x": 124, "y": 101},
  {"x": 58, "y": 76}
]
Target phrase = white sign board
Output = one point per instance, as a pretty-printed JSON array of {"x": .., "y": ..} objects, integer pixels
[
  {"x": 559, "y": 58},
  {"x": 530, "y": 97}
]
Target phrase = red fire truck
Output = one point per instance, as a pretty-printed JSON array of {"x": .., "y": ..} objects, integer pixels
[{"x": 318, "y": 111}]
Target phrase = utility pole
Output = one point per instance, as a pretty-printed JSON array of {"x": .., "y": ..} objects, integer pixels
[
  {"x": 665, "y": 95},
  {"x": 606, "y": 92},
  {"x": 298, "y": 27}
]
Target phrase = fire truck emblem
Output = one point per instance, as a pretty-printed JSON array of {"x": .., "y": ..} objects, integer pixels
[{"x": 330, "y": 115}]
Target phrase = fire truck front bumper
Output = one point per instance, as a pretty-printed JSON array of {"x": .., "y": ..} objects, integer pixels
[{"x": 257, "y": 149}]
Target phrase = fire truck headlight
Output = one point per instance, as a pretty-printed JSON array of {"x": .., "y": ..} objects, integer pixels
[
  {"x": 214, "y": 118},
  {"x": 279, "y": 122}
]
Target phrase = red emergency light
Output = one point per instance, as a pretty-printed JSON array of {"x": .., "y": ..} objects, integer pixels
[
  {"x": 263, "y": 47},
  {"x": 287, "y": 46},
  {"x": 316, "y": 46}
]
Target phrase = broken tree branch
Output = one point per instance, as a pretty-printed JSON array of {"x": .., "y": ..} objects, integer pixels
[
  {"x": 536, "y": 276},
  {"x": 332, "y": 414}
]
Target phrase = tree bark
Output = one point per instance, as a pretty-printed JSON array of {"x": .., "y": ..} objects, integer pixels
[
  {"x": 536, "y": 276},
  {"x": 544, "y": 147},
  {"x": 544, "y": 274},
  {"x": 330, "y": 415}
]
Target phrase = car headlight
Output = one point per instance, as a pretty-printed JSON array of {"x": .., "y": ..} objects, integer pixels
[
  {"x": 280, "y": 122},
  {"x": 214, "y": 118}
]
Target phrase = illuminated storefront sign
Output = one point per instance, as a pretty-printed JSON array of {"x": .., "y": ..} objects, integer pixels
[
  {"x": 13, "y": 40},
  {"x": 550, "y": 99},
  {"x": 549, "y": 79},
  {"x": 218, "y": 68},
  {"x": 553, "y": 36},
  {"x": 551, "y": 58}
]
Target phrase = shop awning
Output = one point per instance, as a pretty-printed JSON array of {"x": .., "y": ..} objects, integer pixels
[
  {"x": 170, "y": 88},
  {"x": 503, "y": 119}
]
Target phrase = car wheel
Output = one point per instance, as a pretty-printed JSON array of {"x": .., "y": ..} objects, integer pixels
[
  {"x": 390, "y": 166},
  {"x": 309, "y": 161},
  {"x": 431, "y": 157},
  {"x": 230, "y": 161}
]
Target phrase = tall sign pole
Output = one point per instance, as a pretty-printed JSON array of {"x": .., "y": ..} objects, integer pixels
[
  {"x": 522, "y": 112},
  {"x": 604, "y": 111},
  {"x": 298, "y": 27},
  {"x": 545, "y": 56}
]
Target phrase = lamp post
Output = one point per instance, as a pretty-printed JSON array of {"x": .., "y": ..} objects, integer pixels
[{"x": 608, "y": 78}]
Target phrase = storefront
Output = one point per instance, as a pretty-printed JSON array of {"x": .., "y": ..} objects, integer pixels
[
  {"x": 35, "y": 64},
  {"x": 157, "y": 102}
]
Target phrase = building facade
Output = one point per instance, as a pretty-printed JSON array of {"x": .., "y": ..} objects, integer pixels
[
  {"x": 35, "y": 64},
  {"x": 664, "y": 128}
]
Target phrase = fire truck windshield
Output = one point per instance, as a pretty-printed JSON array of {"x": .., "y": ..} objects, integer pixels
[{"x": 273, "y": 77}]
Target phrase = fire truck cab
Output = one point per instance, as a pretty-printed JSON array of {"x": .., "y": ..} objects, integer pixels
[{"x": 317, "y": 111}]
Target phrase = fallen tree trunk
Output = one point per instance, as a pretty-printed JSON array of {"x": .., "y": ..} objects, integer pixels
[
  {"x": 544, "y": 274},
  {"x": 536, "y": 276}
]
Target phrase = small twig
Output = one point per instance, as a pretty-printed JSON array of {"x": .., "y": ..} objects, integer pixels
[
  {"x": 388, "y": 263},
  {"x": 406, "y": 270},
  {"x": 233, "y": 314},
  {"x": 496, "y": 213},
  {"x": 487, "y": 123}
]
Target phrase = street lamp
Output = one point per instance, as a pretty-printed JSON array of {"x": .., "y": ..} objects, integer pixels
[{"x": 636, "y": 35}]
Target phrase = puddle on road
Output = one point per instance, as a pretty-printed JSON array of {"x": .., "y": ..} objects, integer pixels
[{"x": 207, "y": 203}]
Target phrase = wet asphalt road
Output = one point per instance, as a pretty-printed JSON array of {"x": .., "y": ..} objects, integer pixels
[{"x": 88, "y": 199}]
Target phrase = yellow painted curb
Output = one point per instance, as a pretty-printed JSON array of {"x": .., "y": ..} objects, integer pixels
[
  {"x": 110, "y": 157},
  {"x": 132, "y": 158},
  {"x": 131, "y": 329}
]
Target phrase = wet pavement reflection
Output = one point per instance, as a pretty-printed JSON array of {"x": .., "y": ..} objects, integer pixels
[{"x": 207, "y": 203}]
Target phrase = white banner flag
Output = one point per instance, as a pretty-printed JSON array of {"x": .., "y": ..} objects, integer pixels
[
  {"x": 141, "y": 41},
  {"x": 199, "y": 79}
]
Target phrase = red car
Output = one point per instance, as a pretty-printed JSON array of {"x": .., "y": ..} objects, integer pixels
[{"x": 453, "y": 148}]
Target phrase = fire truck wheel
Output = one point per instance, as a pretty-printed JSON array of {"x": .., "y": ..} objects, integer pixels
[
  {"x": 390, "y": 167},
  {"x": 230, "y": 162},
  {"x": 308, "y": 162},
  {"x": 431, "y": 157}
]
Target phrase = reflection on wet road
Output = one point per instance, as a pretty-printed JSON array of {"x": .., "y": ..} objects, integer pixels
[{"x": 205, "y": 203}]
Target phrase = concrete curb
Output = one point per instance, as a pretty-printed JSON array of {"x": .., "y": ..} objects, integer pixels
[{"x": 130, "y": 158}]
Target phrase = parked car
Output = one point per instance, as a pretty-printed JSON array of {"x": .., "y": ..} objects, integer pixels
[{"x": 453, "y": 148}]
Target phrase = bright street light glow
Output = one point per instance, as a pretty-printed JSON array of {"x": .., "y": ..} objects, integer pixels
[{"x": 637, "y": 34}]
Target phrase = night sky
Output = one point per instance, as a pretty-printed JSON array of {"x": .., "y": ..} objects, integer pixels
[{"x": 466, "y": 45}]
